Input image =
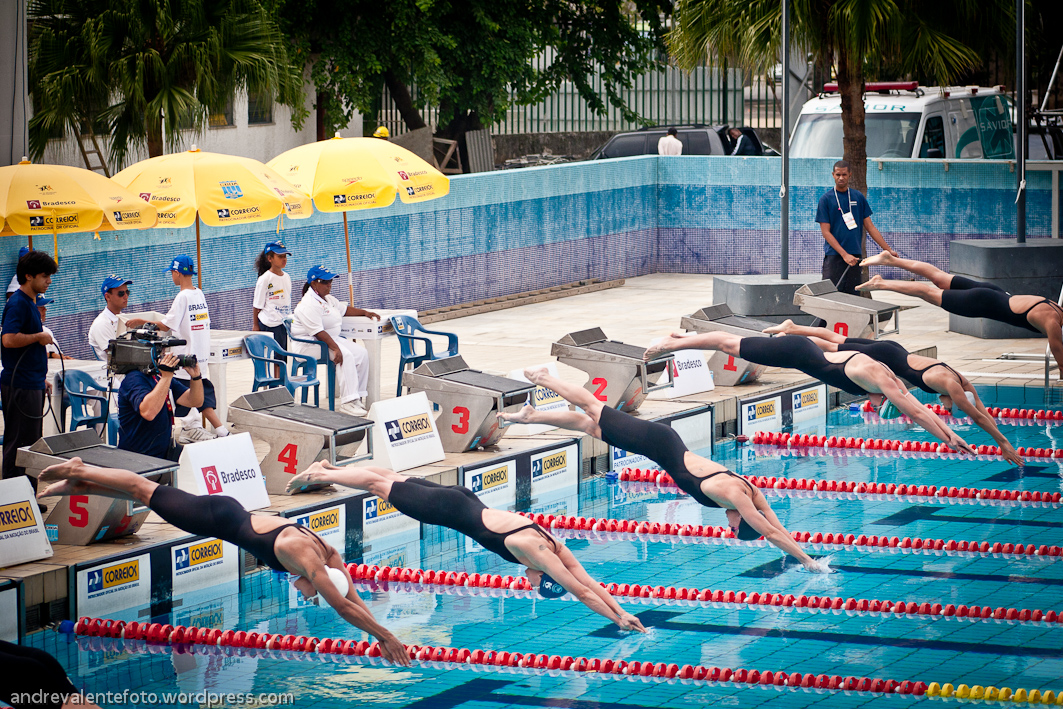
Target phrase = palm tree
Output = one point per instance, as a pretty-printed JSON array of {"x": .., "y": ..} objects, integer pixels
[
  {"x": 937, "y": 41},
  {"x": 147, "y": 69}
]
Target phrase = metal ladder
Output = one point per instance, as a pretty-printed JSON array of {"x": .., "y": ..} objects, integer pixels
[{"x": 94, "y": 149}]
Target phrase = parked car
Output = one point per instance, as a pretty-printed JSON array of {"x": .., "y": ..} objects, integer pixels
[{"x": 696, "y": 140}]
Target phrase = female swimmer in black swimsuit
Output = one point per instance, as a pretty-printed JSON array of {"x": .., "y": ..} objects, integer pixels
[
  {"x": 931, "y": 375},
  {"x": 550, "y": 563},
  {"x": 851, "y": 372},
  {"x": 973, "y": 299},
  {"x": 711, "y": 484},
  {"x": 282, "y": 544}
]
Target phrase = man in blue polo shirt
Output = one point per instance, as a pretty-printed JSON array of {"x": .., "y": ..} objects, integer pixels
[
  {"x": 24, "y": 380},
  {"x": 146, "y": 409},
  {"x": 843, "y": 214}
]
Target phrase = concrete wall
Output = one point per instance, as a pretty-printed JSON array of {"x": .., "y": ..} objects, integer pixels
[{"x": 518, "y": 230}]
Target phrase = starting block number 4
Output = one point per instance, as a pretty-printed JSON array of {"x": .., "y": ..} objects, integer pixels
[
  {"x": 288, "y": 456},
  {"x": 462, "y": 426},
  {"x": 601, "y": 383}
]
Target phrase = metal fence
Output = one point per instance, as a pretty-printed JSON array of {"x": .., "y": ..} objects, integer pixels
[{"x": 709, "y": 94}]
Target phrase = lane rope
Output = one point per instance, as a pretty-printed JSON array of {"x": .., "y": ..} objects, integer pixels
[{"x": 816, "y": 444}]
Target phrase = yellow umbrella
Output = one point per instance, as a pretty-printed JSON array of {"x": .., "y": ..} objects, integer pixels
[
  {"x": 343, "y": 174},
  {"x": 41, "y": 199},
  {"x": 217, "y": 189}
]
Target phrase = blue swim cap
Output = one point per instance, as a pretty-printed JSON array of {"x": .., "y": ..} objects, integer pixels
[
  {"x": 548, "y": 588},
  {"x": 746, "y": 532}
]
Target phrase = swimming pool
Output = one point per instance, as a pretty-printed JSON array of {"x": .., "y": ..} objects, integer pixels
[{"x": 833, "y": 642}]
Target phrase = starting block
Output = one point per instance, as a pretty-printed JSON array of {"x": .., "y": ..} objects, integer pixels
[
  {"x": 617, "y": 375},
  {"x": 299, "y": 435},
  {"x": 80, "y": 520},
  {"x": 846, "y": 314},
  {"x": 469, "y": 401},
  {"x": 728, "y": 370}
]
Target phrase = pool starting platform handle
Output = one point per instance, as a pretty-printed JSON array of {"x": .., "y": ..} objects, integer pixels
[
  {"x": 847, "y": 314},
  {"x": 469, "y": 401},
  {"x": 80, "y": 520},
  {"x": 299, "y": 435},
  {"x": 727, "y": 370},
  {"x": 616, "y": 373}
]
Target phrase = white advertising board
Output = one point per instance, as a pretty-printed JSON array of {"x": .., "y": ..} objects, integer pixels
[
  {"x": 626, "y": 459},
  {"x": 496, "y": 486},
  {"x": 406, "y": 555},
  {"x": 544, "y": 400},
  {"x": 810, "y": 410},
  {"x": 22, "y": 534},
  {"x": 690, "y": 374},
  {"x": 9, "y": 614},
  {"x": 224, "y": 466},
  {"x": 104, "y": 589},
  {"x": 329, "y": 523},
  {"x": 202, "y": 564},
  {"x": 763, "y": 415},
  {"x": 380, "y": 519},
  {"x": 405, "y": 434},
  {"x": 555, "y": 469},
  {"x": 696, "y": 431}
]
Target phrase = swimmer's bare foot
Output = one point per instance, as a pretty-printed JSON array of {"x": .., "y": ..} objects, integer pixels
[
  {"x": 64, "y": 488},
  {"x": 669, "y": 344},
  {"x": 525, "y": 415},
  {"x": 784, "y": 328},
  {"x": 68, "y": 469},
  {"x": 313, "y": 474},
  {"x": 876, "y": 283},
  {"x": 537, "y": 375},
  {"x": 882, "y": 258}
]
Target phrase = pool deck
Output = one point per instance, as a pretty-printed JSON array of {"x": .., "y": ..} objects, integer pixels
[{"x": 504, "y": 340}]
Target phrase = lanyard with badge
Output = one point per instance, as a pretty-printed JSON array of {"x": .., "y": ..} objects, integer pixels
[{"x": 847, "y": 217}]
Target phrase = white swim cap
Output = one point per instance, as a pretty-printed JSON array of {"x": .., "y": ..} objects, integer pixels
[
  {"x": 339, "y": 579},
  {"x": 957, "y": 412}
]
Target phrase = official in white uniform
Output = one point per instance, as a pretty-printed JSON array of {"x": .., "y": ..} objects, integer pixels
[
  {"x": 273, "y": 293},
  {"x": 104, "y": 328},
  {"x": 13, "y": 285},
  {"x": 319, "y": 316}
]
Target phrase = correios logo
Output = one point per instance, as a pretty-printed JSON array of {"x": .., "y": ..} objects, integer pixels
[
  {"x": 201, "y": 553},
  {"x": 212, "y": 480},
  {"x": 408, "y": 427},
  {"x": 376, "y": 508},
  {"x": 489, "y": 479},
  {"x": 549, "y": 464},
  {"x": 121, "y": 574},
  {"x": 805, "y": 398},
  {"x": 760, "y": 410},
  {"x": 323, "y": 521}
]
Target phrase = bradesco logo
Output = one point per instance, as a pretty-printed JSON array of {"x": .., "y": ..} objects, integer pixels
[
  {"x": 323, "y": 521},
  {"x": 212, "y": 479},
  {"x": 549, "y": 464},
  {"x": 196, "y": 554},
  {"x": 490, "y": 479},
  {"x": 806, "y": 398},
  {"x": 114, "y": 576},
  {"x": 761, "y": 410},
  {"x": 17, "y": 515},
  {"x": 378, "y": 509},
  {"x": 409, "y": 428}
]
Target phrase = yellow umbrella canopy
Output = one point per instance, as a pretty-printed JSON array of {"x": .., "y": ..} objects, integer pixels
[
  {"x": 57, "y": 199},
  {"x": 218, "y": 189},
  {"x": 344, "y": 174}
]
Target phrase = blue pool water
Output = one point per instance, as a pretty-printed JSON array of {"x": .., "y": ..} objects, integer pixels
[{"x": 1013, "y": 654}]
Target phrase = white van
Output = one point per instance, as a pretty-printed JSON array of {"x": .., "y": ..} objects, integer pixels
[{"x": 903, "y": 120}]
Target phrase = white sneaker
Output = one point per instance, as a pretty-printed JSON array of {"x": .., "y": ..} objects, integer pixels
[
  {"x": 195, "y": 435},
  {"x": 352, "y": 408}
]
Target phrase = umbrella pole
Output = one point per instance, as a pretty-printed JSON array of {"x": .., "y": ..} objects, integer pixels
[
  {"x": 31, "y": 242},
  {"x": 350, "y": 280},
  {"x": 199, "y": 260}
]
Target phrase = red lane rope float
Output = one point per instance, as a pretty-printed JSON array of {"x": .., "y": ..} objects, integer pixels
[
  {"x": 660, "y": 671},
  {"x": 1005, "y": 414},
  {"x": 886, "y": 445},
  {"x": 448, "y": 580},
  {"x": 579, "y": 525},
  {"x": 945, "y": 493}
]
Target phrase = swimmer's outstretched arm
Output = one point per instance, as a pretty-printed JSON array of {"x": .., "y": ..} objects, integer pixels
[
  {"x": 889, "y": 386},
  {"x": 763, "y": 519},
  {"x": 983, "y": 420}
]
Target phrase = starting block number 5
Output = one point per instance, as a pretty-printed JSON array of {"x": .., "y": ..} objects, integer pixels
[{"x": 288, "y": 456}]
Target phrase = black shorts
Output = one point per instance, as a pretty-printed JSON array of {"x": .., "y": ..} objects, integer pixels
[
  {"x": 834, "y": 270},
  {"x": 279, "y": 334},
  {"x": 210, "y": 399}
]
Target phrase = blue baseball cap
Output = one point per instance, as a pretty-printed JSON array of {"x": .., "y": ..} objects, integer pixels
[
  {"x": 183, "y": 264},
  {"x": 319, "y": 273},
  {"x": 42, "y": 301},
  {"x": 23, "y": 251},
  {"x": 276, "y": 247},
  {"x": 113, "y": 281},
  {"x": 548, "y": 588}
]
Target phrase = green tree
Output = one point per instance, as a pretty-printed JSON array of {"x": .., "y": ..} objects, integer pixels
[
  {"x": 861, "y": 39},
  {"x": 147, "y": 69},
  {"x": 471, "y": 58}
]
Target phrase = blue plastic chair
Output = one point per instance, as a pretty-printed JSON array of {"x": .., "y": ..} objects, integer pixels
[
  {"x": 76, "y": 386},
  {"x": 407, "y": 327},
  {"x": 262, "y": 349},
  {"x": 323, "y": 358}
]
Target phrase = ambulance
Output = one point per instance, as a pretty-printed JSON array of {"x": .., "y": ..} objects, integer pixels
[{"x": 904, "y": 120}]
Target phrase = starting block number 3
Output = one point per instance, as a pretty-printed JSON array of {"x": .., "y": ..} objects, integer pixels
[
  {"x": 462, "y": 426},
  {"x": 288, "y": 456}
]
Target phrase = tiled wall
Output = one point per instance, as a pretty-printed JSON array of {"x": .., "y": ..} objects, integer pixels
[{"x": 519, "y": 230}]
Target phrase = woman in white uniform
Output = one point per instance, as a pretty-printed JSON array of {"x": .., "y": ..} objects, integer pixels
[{"x": 319, "y": 315}]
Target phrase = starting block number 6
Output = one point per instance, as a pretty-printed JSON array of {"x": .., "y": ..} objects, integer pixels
[
  {"x": 841, "y": 328},
  {"x": 288, "y": 457}
]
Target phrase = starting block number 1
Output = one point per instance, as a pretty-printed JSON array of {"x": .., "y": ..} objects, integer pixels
[
  {"x": 730, "y": 365},
  {"x": 288, "y": 457}
]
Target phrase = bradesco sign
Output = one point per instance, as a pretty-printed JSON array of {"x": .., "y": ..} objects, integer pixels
[
  {"x": 107, "y": 588},
  {"x": 224, "y": 466}
]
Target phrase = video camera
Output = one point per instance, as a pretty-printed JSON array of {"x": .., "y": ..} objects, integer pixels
[{"x": 141, "y": 349}]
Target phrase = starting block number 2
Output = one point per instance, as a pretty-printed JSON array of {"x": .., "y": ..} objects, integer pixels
[
  {"x": 601, "y": 383},
  {"x": 288, "y": 457}
]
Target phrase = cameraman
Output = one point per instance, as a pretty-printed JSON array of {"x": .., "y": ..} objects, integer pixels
[{"x": 146, "y": 410}]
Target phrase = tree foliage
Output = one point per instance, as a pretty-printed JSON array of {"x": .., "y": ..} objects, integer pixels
[
  {"x": 126, "y": 64},
  {"x": 471, "y": 58}
]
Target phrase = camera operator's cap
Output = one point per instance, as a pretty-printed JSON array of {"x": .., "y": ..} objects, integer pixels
[
  {"x": 319, "y": 273},
  {"x": 183, "y": 264},
  {"x": 276, "y": 247},
  {"x": 113, "y": 281},
  {"x": 42, "y": 301}
]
